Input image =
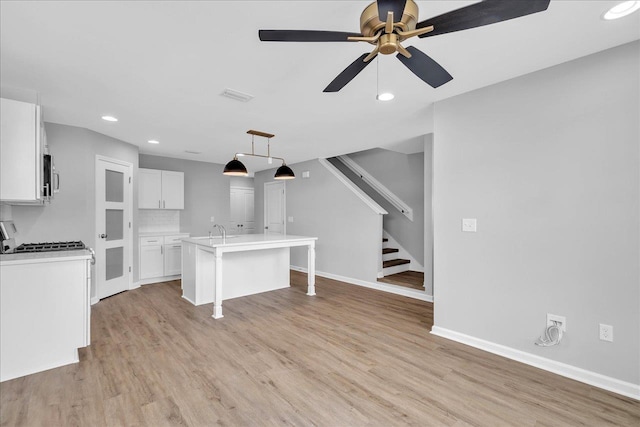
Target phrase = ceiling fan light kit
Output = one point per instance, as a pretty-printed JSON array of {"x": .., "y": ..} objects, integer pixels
[
  {"x": 387, "y": 23},
  {"x": 236, "y": 168},
  {"x": 621, "y": 9}
]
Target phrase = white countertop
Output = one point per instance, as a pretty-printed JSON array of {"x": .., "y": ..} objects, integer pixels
[
  {"x": 247, "y": 240},
  {"x": 161, "y": 233},
  {"x": 33, "y": 257}
]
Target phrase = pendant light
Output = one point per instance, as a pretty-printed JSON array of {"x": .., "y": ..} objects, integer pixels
[
  {"x": 284, "y": 172},
  {"x": 236, "y": 168}
]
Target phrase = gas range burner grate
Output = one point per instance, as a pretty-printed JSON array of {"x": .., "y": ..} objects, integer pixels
[{"x": 49, "y": 247}]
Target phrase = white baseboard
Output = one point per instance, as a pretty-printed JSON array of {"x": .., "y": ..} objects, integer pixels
[
  {"x": 134, "y": 285},
  {"x": 588, "y": 377},
  {"x": 95, "y": 300},
  {"x": 392, "y": 289}
]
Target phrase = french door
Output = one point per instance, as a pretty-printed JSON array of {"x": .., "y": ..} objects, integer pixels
[{"x": 113, "y": 226}]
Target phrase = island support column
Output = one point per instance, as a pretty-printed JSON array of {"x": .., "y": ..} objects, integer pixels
[
  {"x": 217, "y": 302},
  {"x": 311, "y": 269}
]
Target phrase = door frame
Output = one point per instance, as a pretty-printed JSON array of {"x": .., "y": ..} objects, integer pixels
[
  {"x": 99, "y": 158},
  {"x": 284, "y": 205}
]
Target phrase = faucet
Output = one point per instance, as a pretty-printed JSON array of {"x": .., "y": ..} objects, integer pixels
[{"x": 223, "y": 232}]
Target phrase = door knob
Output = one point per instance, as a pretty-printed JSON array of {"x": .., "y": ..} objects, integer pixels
[{"x": 103, "y": 236}]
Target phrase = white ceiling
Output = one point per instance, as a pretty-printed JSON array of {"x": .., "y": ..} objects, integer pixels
[{"x": 160, "y": 67}]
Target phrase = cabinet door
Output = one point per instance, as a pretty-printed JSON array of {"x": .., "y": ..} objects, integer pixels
[
  {"x": 172, "y": 259},
  {"x": 151, "y": 261},
  {"x": 20, "y": 152},
  {"x": 149, "y": 189},
  {"x": 172, "y": 190}
]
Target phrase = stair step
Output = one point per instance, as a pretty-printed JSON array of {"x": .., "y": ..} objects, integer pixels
[
  {"x": 389, "y": 250},
  {"x": 384, "y": 239},
  {"x": 394, "y": 262}
]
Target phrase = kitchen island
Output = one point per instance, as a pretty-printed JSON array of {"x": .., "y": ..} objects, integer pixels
[{"x": 216, "y": 269}]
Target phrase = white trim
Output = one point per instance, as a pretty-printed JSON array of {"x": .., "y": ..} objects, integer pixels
[
  {"x": 385, "y": 287},
  {"x": 95, "y": 300},
  {"x": 588, "y": 377},
  {"x": 378, "y": 186},
  {"x": 134, "y": 285},
  {"x": 354, "y": 188}
]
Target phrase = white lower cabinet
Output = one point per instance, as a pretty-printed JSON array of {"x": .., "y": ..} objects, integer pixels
[{"x": 160, "y": 257}]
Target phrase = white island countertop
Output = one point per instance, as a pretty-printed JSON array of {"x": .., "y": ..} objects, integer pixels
[
  {"x": 244, "y": 240},
  {"x": 252, "y": 263}
]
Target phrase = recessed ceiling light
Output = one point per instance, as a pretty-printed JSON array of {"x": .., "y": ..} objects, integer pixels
[
  {"x": 153, "y": 141},
  {"x": 386, "y": 96},
  {"x": 109, "y": 118},
  {"x": 622, "y": 9}
]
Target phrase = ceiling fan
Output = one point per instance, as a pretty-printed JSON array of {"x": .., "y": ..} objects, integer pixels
[{"x": 387, "y": 23}]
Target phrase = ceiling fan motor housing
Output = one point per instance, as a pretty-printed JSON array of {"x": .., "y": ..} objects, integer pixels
[{"x": 370, "y": 23}]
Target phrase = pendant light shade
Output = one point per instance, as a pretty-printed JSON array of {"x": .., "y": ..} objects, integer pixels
[
  {"x": 284, "y": 172},
  {"x": 235, "y": 168}
]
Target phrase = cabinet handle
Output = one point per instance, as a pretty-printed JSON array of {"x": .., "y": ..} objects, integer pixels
[
  {"x": 103, "y": 236},
  {"x": 164, "y": 204},
  {"x": 161, "y": 250},
  {"x": 159, "y": 204},
  {"x": 177, "y": 246}
]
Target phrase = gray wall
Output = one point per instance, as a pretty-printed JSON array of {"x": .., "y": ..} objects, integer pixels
[
  {"x": 348, "y": 231},
  {"x": 549, "y": 165},
  {"x": 403, "y": 174},
  {"x": 71, "y": 215},
  {"x": 206, "y": 192}
]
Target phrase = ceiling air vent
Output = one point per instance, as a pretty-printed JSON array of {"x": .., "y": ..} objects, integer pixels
[{"x": 238, "y": 96}]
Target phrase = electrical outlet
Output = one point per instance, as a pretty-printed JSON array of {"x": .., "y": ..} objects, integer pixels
[
  {"x": 606, "y": 332},
  {"x": 558, "y": 319},
  {"x": 213, "y": 219}
]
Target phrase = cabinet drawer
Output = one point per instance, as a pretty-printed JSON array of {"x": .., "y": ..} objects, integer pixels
[
  {"x": 146, "y": 241},
  {"x": 177, "y": 239}
]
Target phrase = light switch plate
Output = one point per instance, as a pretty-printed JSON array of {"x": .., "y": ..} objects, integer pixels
[
  {"x": 305, "y": 174},
  {"x": 469, "y": 225}
]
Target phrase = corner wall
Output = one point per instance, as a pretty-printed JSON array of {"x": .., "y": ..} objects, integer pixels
[
  {"x": 549, "y": 165},
  {"x": 349, "y": 232}
]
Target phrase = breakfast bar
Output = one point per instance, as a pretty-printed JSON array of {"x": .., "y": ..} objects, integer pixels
[{"x": 215, "y": 269}]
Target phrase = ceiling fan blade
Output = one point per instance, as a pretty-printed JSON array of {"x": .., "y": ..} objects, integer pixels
[
  {"x": 479, "y": 14},
  {"x": 348, "y": 74},
  {"x": 424, "y": 67},
  {"x": 304, "y": 36},
  {"x": 395, "y": 6}
]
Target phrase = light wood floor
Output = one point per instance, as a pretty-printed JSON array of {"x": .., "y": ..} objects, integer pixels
[
  {"x": 408, "y": 279},
  {"x": 349, "y": 356}
]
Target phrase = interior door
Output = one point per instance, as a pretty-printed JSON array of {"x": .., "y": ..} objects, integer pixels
[
  {"x": 242, "y": 211},
  {"x": 274, "y": 208},
  {"x": 113, "y": 226}
]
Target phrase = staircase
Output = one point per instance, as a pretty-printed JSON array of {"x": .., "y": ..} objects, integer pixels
[{"x": 391, "y": 264}]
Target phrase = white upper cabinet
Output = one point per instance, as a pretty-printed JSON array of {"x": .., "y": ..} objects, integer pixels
[
  {"x": 160, "y": 189},
  {"x": 21, "y": 151}
]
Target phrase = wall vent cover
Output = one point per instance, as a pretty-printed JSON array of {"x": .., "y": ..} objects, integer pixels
[{"x": 238, "y": 96}]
